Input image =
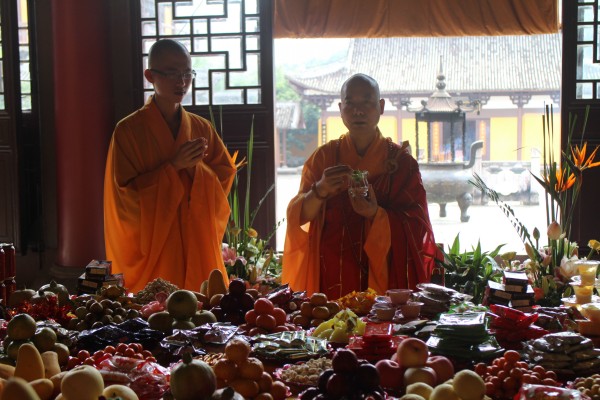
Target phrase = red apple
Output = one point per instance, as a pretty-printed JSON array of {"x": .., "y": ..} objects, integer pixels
[
  {"x": 420, "y": 374},
  {"x": 443, "y": 367},
  {"x": 412, "y": 352},
  {"x": 390, "y": 374}
]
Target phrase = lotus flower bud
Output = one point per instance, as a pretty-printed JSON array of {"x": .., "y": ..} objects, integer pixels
[
  {"x": 554, "y": 231},
  {"x": 547, "y": 260},
  {"x": 530, "y": 251}
]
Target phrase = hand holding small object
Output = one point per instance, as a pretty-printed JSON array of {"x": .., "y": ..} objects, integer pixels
[
  {"x": 333, "y": 181},
  {"x": 365, "y": 205},
  {"x": 190, "y": 153}
]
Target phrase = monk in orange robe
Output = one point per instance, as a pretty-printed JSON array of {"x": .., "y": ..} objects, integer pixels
[
  {"x": 337, "y": 242},
  {"x": 166, "y": 183}
]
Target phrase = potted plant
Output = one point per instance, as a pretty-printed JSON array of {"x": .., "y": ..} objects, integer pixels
[{"x": 469, "y": 271}]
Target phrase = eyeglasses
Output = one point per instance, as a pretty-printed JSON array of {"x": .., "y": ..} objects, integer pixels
[{"x": 175, "y": 76}]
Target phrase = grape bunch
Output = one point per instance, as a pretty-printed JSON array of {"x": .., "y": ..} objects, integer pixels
[
  {"x": 232, "y": 306},
  {"x": 348, "y": 378}
]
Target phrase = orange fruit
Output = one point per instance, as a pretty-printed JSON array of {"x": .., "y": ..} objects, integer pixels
[
  {"x": 266, "y": 321},
  {"x": 250, "y": 317},
  {"x": 512, "y": 356},
  {"x": 252, "y": 368},
  {"x": 306, "y": 309},
  {"x": 264, "y": 396},
  {"x": 265, "y": 382},
  {"x": 263, "y": 306},
  {"x": 225, "y": 369},
  {"x": 279, "y": 391},
  {"x": 280, "y": 316},
  {"x": 237, "y": 350},
  {"x": 246, "y": 387}
]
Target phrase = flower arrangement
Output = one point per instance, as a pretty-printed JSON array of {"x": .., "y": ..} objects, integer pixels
[
  {"x": 246, "y": 255},
  {"x": 550, "y": 267}
]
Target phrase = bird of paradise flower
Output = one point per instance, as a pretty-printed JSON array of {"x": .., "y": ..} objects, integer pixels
[{"x": 563, "y": 183}]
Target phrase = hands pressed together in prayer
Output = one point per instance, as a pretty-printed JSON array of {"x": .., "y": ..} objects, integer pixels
[
  {"x": 190, "y": 153},
  {"x": 335, "y": 180}
]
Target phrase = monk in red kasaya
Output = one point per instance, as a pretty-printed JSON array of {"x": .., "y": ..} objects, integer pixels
[
  {"x": 166, "y": 183},
  {"x": 337, "y": 242}
]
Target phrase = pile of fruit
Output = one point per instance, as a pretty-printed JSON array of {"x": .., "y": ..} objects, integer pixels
[
  {"x": 218, "y": 338},
  {"x": 508, "y": 373}
]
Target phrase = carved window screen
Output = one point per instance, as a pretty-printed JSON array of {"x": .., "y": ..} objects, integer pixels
[
  {"x": 223, "y": 39},
  {"x": 2, "y": 103},
  {"x": 24, "y": 70},
  {"x": 587, "y": 78}
]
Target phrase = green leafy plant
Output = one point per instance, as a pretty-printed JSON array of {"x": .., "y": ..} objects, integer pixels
[
  {"x": 469, "y": 271},
  {"x": 246, "y": 255}
]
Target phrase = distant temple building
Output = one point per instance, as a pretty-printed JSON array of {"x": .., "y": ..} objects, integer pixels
[{"x": 513, "y": 77}]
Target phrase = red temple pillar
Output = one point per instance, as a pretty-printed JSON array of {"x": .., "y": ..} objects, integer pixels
[{"x": 83, "y": 123}]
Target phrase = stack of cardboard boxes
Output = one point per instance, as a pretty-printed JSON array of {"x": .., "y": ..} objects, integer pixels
[
  {"x": 514, "y": 291},
  {"x": 98, "y": 274}
]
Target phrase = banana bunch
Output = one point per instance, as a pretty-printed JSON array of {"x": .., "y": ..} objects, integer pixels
[{"x": 339, "y": 328}]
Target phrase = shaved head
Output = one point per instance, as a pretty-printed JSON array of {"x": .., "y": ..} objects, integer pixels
[
  {"x": 361, "y": 78},
  {"x": 162, "y": 47}
]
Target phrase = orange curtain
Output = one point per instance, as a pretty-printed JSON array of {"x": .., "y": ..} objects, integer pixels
[{"x": 397, "y": 18}]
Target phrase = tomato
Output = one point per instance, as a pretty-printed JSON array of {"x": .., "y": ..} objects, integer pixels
[
  {"x": 509, "y": 383},
  {"x": 481, "y": 369},
  {"x": 496, "y": 382},
  {"x": 137, "y": 347},
  {"x": 539, "y": 369},
  {"x": 146, "y": 353},
  {"x": 83, "y": 354},
  {"x": 516, "y": 373},
  {"x": 550, "y": 374},
  {"x": 89, "y": 361},
  {"x": 121, "y": 347},
  {"x": 502, "y": 374},
  {"x": 489, "y": 388},
  {"x": 512, "y": 356},
  {"x": 110, "y": 349},
  {"x": 129, "y": 352},
  {"x": 98, "y": 355},
  {"x": 526, "y": 378},
  {"x": 549, "y": 382},
  {"x": 72, "y": 362}
]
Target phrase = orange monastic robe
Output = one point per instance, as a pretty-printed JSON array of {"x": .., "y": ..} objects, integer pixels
[
  {"x": 159, "y": 222},
  {"x": 340, "y": 251}
]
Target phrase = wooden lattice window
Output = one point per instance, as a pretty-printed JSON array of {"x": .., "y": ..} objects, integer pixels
[
  {"x": 223, "y": 37},
  {"x": 2, "y": 102},
  {"x": 24, "y": 60},
  {"x": 587, "y": 78}
]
